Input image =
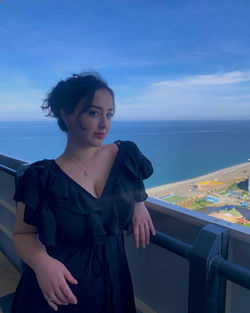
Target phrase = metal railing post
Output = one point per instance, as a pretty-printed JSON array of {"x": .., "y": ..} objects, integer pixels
[{"x": 207, "y": 290}]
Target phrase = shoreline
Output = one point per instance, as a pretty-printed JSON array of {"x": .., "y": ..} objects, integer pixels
[{"x": 225, "y": 176}]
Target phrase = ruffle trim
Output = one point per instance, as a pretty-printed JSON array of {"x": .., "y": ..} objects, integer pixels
[
  {"x": 139, "y": 168},
  {"x": 83, "y": 204},
  {"x": 39, "y": 190}
]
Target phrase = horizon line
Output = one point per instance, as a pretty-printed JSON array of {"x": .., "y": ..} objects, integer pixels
[{"x": 160, "y": 120}]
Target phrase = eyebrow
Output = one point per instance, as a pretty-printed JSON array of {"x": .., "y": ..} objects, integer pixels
[{"x": 100, "y": 108}]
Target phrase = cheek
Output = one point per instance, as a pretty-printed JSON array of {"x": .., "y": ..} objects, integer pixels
[{"x": 87, "y": 123}]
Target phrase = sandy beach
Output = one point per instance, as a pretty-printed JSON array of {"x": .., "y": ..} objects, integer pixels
[{"x": 226, "y": 176}]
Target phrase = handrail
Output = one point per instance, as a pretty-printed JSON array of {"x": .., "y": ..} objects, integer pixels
[
  {"x": 172, "y": 244},
  {"x": 231, "y": 271},
  {"x": 219, "y": 265},
  {"x": 7, "y": 169},
  {"x": 209, "y": 267}
]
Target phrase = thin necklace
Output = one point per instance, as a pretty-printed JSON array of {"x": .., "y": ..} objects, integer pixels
[{"x": 85, "y": 172}]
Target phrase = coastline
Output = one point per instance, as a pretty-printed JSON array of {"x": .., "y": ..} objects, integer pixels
[{"x": 226, "y": 176}]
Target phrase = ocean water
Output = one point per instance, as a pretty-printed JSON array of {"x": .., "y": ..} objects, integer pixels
[{"x": 178, "y": 150}]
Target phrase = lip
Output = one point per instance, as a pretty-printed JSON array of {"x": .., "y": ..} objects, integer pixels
[{"x": 100, "y": 135}]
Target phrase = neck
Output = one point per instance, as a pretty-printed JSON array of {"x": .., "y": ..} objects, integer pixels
[{"x": 83, "y": 154}]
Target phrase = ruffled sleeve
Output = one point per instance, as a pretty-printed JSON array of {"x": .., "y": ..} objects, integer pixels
[
  {"x": 32, "y": 192},
  {"x": 28, "y": 191},
  {"x": 140, "y": 168}
]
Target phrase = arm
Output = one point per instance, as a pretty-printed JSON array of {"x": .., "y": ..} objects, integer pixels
[
  {"x": 26, "y": 242},
  {"x": 51, "y": 274},
  {"x": 141, "y": 219}
]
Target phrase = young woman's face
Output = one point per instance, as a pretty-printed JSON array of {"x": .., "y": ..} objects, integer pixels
[{"x": 93, "y": 125}]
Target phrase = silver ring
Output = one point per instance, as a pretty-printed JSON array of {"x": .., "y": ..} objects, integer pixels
[
  {"x": 51, "y": 298},
  {"x": 147, "y": 227}
]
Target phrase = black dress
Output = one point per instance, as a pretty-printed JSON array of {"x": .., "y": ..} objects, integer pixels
[{"x": 83, "y": 232}]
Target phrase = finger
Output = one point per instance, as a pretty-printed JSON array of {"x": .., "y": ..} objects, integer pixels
[
  {"x": 68, "y": 293},
  {"x": 136, "y": 235},
  {"x": 54, "y": 306},
  {"x": 51, "y": 303},
  {"x": 53, "y": 298},
  {"x": 147, "y": 234},
  {"x": 151, "y": 226},
  {"x": 142, "y": 236},
  {"x": 61, "y": 297},
  {"x": 69, "y": 277}
]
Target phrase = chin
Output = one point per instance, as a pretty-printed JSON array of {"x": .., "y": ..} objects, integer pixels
[{"x": 98, "y": 142}]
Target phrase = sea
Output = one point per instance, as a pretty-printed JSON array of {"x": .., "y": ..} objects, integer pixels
[{"x": 178, "y": 150}]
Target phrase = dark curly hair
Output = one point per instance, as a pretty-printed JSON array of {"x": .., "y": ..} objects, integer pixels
[{"x": 67, "y": 94}]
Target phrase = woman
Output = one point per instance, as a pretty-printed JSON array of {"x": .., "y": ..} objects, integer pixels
[{"x": 71, "y": 211}]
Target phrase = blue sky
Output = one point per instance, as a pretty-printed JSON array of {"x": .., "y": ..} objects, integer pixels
[{"x": 165, "y": 60}]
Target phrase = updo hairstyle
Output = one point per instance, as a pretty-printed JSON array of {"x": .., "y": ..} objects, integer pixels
[{"x": 67, "y": 94}]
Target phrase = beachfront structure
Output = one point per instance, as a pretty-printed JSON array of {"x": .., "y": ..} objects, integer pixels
[
  {"x": 208, "y": 184},
  {"x": 183, "y": 270},
  {"x": 211, "y": 199}
]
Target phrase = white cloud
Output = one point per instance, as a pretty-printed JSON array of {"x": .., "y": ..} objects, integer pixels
[
  {"x": 213, "y": 96},
  {"x": 212, "y": 79}
]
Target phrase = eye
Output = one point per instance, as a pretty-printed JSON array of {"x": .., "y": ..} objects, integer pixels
[
  {"x": 110, "y": 115},
  {"x": 92, "y": 113}
]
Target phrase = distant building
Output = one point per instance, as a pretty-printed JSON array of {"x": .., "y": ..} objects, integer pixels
[
  {"x": 207, "y": 184},
  {"x": 245, "y": 204},
  {"x": 211, "y": 199}
]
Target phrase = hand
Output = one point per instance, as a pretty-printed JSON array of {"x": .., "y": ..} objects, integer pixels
[
  {"x": 141, "y": 225},
  {"x": 52, "y": 275}
]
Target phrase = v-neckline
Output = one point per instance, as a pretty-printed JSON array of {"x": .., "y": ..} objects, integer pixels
[{"x": 82, "y": 188}]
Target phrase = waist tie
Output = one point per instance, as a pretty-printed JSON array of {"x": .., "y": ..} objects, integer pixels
[{"x": 100, "y": 266}]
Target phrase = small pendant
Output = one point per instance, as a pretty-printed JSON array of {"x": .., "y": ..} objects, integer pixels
[{"x": 86, "y": 173}]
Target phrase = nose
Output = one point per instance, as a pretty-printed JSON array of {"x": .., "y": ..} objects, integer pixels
[{"x": 104, "y": 121}]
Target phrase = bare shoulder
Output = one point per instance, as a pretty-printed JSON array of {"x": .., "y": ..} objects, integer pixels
[
  {"x": 104, "y": 163},
  {"x": 110, "y": 149},
  {"x": 108, "y": 154}
]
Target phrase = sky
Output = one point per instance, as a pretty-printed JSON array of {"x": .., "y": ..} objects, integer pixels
[{"x": 164, "y": 59}]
